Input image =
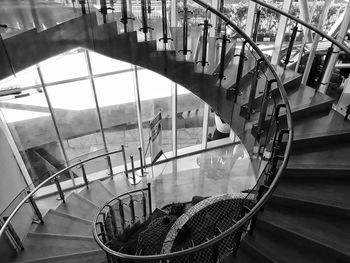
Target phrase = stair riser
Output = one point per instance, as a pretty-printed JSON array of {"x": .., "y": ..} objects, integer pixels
[
  {"x": 336, "y": 211},
  {"x": 247, "y": 248},
  {"x": 301, "y": 144},
  {"x": 316, "y": 173},
  {"x": 304, "y": 244}
]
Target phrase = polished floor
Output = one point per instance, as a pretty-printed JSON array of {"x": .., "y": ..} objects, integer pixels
[{"x": 227, "y": 169}]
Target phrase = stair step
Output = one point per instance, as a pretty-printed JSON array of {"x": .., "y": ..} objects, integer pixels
[
  {"x": 118, "y": 185},
  {"x": 92, "y": 256},
  {"x": 319, "y": 226},
  {"x": 322, "y": 203},
  {"x": 97, "y": 193},
  {"x": 291, "y": 246},
  {"x": 40, "y": 246},
  {"x": 78, "y": 206},
  {"x": 60, "y": 223},
  {"x": 323, "y": 171}
]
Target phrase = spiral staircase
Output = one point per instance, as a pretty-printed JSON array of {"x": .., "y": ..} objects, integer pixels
[{"x": 307, "y": 217}]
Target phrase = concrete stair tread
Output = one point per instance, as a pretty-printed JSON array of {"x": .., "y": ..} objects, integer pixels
[
  {"x": 91, "y": 256},
  {"x": 39, "y": 245},
  {"x": 97, "y": 193},
  {"x": 318, "y": 226},
  {"x": 60, "y": 223},
  {"x": 290, "y": 247},
  {"x": 78, "y": 206},
  {"x": 320, "y": 200}
]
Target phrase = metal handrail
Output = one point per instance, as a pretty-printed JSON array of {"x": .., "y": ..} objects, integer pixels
[
  {"x": 311, "y": 27},
  {"x": 6, "y": 223},
  {"x": 268, "y": 193}
]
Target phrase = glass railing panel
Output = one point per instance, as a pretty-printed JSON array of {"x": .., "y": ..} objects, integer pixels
[
  {"x": 190, "y": 114},
  {"x": 116, "y": 98},
  {"x": 21, "y": 16}
]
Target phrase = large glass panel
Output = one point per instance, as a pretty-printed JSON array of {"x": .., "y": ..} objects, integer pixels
[
  {"x": 155, "y": 96},
  {"x": 27, "y": 115},
  {"x": 116, "y": 98},
  {"x": 70, "y": 65},
  {"x": 75, "y": 113},
  {"x": 189, "y": 119}
]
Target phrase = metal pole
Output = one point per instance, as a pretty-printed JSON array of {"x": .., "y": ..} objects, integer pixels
[
  {"x": 205, "y": 126},
  {"x": 92, "y": 82},
  {"x": 59, "y": 189},
  {"x": 174, "y": 117},
  {"x": 149, "y": 197},
  {"x": 138, "y": 105},
  {"x": 14, "y": 235},
  {"x": 110, "y": 167},
  {"x": 133, "y": 170},
  {"x": 124, "y": 160},
  {"x": 36, "y": 209},
  {"x": 54, "y": 121},
  {"x": 141, "y": 162},
  {"x": 84, "y": 175}
]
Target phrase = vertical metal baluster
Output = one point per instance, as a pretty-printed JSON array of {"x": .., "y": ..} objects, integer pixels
[
  {"x": 110, "y": 167},
  {"x": 265, "y": 102},
  {"x": 121, "y": 213},
  {"x": 220, "y": 74},
  {"x": 236, "y": 90},
  {"x": 125, "y": 17},
  {"x": 145, "y": 26},
  {"x": 165, "y": 37},
  {"x": 35, "y": 208},
  {"x": 14, "y": 235},
  {"x": 330, "y": 51},
  {"x": 82, "y": 167},
  {"x": 149, "y": 197},
  {"x": 102, "y": 232},
  {"x": 206, "y": 26},
  {"x": 253, "y": 87},
  {"x": 149, "y": 7},
  {"x": 141, "y": 163},
  {"x": 221, "y": 9},
  {"x": 132, "y": 209},
  {"x": 124, "y": 160},
  {"x": 185, "y": 29},
  {"x": 256, "y": 25},
  {"x": 144, "y": 206},
  {"x": 290, "y": 46},
  {"x": 59, "y": 189},
  {"x": 83, "y": 7},
  {"x": 103, "y": 10},
  {"x": 113, "y": 220},
  {"x": 133, "y": 170}
]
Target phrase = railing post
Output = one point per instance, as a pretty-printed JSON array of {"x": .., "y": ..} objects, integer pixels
[
  {"x": 220, "y": 74},
  {"x": 235, "y": 90},
  {"x": 256, "y": 25},
  {"x": 132, "y": 170},
  {"x": 124, "y": 160},
  {"x": 221, "y": 9},
  {"x": 206, "y": 26},
  {"x": 290, "y": 46},
  {"x": 145, "y": 26},
  {"x": 13, "y": 235},
  {"x": 114, "y": 223},
  {"x": 264, "y": 106},
  {"x": 83, "y": 8},
  {"x": 184, "y": 49},
  {"x": 82, "y": 167},
  {"x": 124, "y": 11},
  {"x": 132, "y": 209},
  {"x": 35, "y": 208},
  {"x": 330, "y": 51},
  {"x": 144, "y": 206},
  {"x": 102, "y": 232},
  {"x": 59, "y": 189},
  {"x": 110, "y": 167},
  {"x": 141, "y": 162},
  {"x": 121, "y": 213},
  {"x": 165, "y": 37},
  {"x": 103, "y": 10},
  {"x": 149, "y": 197},
  {"x": 253, "y": 87}
]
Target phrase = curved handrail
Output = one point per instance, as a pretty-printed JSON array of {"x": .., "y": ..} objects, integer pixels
[
  {"x": 13, "y": 213},
  {"x": 269, "y": 192},
  {"x": 311, "y": 27}
]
